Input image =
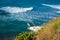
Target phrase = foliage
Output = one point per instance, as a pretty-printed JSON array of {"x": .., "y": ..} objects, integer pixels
[{"x": 25, "y": 36}]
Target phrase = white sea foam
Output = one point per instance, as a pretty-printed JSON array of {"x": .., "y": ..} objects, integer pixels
[
  {"x": 35, "y": 28},
  {"x": 57, "y": 11},
  {"x": 28, "y": 24},
  {"x": 52, "y": 6},
  {"x": 16, "y": 9}
]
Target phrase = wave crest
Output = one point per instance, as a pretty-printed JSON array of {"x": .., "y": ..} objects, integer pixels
[
  {"x": 16, "y": 9},
  {"x": 52, "y": 6}
]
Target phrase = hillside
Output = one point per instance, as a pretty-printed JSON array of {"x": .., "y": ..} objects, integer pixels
[{"x": 50, "y": 31}]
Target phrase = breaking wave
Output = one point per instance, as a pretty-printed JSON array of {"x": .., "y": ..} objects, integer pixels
[
  {"x": 16, "y": 9},
  {"x": 52, "y": 6}
]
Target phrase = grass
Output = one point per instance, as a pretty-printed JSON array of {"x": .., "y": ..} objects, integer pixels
[{"x": 51, "y": 31}]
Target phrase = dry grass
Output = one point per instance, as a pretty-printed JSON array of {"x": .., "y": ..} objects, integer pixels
[{"x": 50, "y": 31}]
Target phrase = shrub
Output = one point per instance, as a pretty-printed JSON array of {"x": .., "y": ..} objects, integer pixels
[{"x": 25, "y": 36}]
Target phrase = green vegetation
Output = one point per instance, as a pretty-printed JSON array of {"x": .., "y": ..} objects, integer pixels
[
  {"x": 50, "y": 31},
  {"x": 25, "y": 36}
]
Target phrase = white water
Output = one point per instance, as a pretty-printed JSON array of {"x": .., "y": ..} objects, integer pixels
[
  {"x": 52, "y": 6},
  {"x": 16, "y": 9}
]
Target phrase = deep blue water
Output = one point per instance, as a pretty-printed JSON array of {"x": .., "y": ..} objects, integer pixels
[{"x": 14, "y": 23}]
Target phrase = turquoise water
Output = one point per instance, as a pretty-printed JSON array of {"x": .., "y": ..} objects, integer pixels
[{"x": 15, "y": 15}]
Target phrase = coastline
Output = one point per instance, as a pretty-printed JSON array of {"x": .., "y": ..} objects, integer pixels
[{"x": 35, "y": 28}]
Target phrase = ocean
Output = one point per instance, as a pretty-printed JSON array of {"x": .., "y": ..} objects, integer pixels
[{"x": 17, "y": 16}]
